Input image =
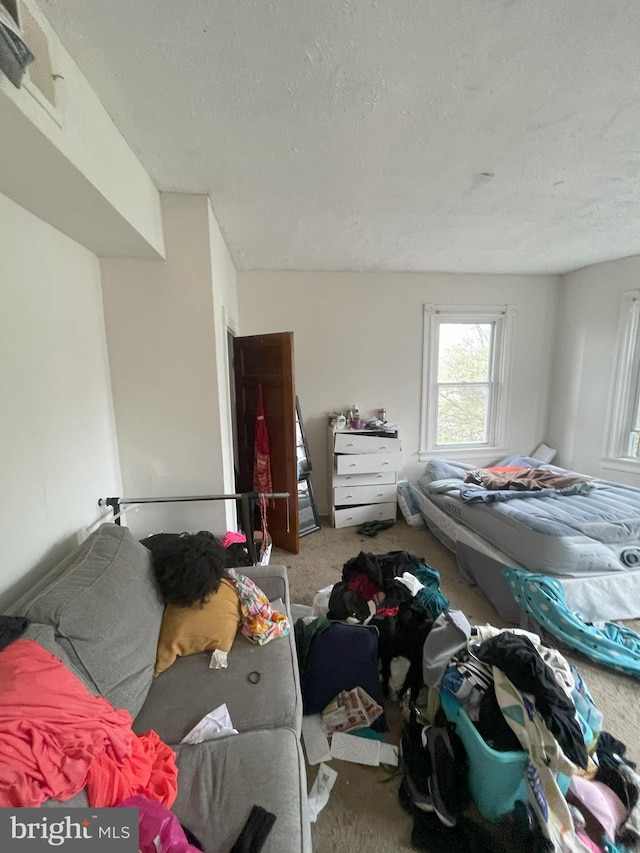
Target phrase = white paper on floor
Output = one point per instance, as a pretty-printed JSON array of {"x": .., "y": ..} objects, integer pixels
[
  {"x": 316, "y": 744},
  {"x": 215, "y": 724},
  {"x": 389, "y": 754},
  {"x": 363, "y": 750},
  {"x": 319, "y": 793}
]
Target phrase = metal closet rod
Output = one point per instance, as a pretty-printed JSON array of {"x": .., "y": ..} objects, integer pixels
[
  {"x": 243, "y": 497},
  {"x": 235, "y": 497}
]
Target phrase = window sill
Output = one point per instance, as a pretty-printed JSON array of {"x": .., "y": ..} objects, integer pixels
[
  {"x": 631, "y": 466},
  {"x": 477, "y": 455}
]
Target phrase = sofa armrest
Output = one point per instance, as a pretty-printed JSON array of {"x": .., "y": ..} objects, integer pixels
[{"x": 272, "y": 580}]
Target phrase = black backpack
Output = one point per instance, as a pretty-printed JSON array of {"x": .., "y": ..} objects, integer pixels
[{"x": 434, "y": 768}]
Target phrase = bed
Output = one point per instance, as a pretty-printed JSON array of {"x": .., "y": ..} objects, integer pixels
[{"x": 588, "y": 538}]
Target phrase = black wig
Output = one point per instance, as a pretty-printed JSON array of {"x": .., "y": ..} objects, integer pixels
[{"x": 187, "y": 566}]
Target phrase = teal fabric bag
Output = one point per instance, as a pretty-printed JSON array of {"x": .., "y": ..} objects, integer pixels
[{"x": 542, "y": 597}]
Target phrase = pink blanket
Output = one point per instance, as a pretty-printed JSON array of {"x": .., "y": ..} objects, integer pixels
[{"x": 56, "y": 737}]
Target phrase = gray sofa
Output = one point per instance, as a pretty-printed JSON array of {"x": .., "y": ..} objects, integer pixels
[{"x": 100, "y": 612}]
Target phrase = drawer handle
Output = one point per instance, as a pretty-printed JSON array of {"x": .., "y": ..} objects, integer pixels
[
  {"x": 382, "y": 447},
  {"x": 380, "y": 495},
  {"x": 353, "y": 465},
  {"x": 385, "y": 463},
  {"x": 349, "y": 444},
  {"x": 348, "y": 496}
]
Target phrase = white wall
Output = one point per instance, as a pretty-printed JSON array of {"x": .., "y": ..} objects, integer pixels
[
  {"x": 166, "y": 343},
  {"x": 69, "y": 164},
  {"x": 225, "y": 318},
  {"x": 584, "y": 364},
  {"x": 358, "y": 339},
  {"x": 58, "y": 451}
]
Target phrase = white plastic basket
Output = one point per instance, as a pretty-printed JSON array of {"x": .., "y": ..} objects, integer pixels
[{"x": 408, "y": 505}]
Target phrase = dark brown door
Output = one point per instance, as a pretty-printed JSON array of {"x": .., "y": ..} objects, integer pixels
[{"x": 267, "y": 360}]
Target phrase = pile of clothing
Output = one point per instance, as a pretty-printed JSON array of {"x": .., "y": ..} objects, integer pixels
[
  {"x": 398, "y": 594},
  {"x": 523, "y": 695}
]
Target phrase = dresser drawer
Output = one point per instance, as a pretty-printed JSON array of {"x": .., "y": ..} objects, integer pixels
[
  {"x": 348, "y": 495},
  {"x": 360, "y": 514},
  {"x": 368, "y": 463},
  {"x": 364, "y": 479},
  {"x": 349, "y": 442}
]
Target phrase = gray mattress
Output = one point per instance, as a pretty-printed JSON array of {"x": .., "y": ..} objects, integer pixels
[{"x": 591, "y": 542}]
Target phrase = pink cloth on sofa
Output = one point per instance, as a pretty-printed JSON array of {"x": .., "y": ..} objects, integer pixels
[
  {"x": 231, "y": 538},
  {"x": 56, "y": 737}
]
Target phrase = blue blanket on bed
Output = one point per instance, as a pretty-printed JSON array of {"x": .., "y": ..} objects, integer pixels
[{"x": 477, "y": 494}]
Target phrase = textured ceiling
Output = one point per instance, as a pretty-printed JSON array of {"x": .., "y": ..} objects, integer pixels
[{"x": 450, "y": 135}]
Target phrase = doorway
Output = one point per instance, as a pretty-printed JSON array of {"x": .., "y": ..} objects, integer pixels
[{"x": 267, "y": 361}]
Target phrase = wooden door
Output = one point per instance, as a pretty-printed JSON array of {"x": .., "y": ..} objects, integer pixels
[{"x": 267, "y": 360}]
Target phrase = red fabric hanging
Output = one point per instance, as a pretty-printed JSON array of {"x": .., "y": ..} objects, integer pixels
[{"x": 262, "y": 482}]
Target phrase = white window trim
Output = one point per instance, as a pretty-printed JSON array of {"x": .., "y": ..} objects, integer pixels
[
  {"x": 504, "y": 316},
  {"x": 623, "y": 387}
]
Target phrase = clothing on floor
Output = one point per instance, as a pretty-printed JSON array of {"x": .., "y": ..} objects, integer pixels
[
  {"x": 546, "y": 760},
  {"x": 382, "y": 569},
  {"x": 304, "y": 632},
  {"x": 588, "y": 712},
  {"x": 632, "y": 824},
  {"x": 468, "y": 680},
  {"x": 411, "y": 582},
  {"x": 430, "y": 596},
  {"x": 403, "y": 635},
  {"x": 346, "y": 603},
  {"x": 611, "y": 751},
  {"x": 450, "y": 633},
  {"x": 471, "y": 836},
  {"x": 520, "y": 662},
  {"x": 372, "y": 528},
  {"x": 366, "y": 589}
]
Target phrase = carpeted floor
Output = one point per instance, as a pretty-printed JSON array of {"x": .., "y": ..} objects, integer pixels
[{"x": 363, "y": 812}]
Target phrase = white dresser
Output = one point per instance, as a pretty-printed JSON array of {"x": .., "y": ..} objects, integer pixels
[{"x": 363, "y": 476}]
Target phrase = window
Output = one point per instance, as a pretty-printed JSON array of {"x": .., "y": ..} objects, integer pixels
[
  {"x": 466, "y": 360},
  {"x": 623, "y": 434}
]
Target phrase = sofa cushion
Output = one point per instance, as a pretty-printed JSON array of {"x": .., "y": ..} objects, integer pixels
[
  {"x": 220, "y": 781},
  {"x": 272, "y": 702},
  {"x": 187, "y": 630},
  {"x": 45, "y": 635},
  {"x": 106, "y": 611}
]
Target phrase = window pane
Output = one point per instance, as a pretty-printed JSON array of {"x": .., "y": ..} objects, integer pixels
[
  {"x": 636, "y": 420},
  {"x": 464, "y": 352},
  {"x": 462, "y": 414}
]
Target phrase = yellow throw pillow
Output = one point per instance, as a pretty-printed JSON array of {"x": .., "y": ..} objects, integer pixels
[{"x": 187, "y": 630}]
